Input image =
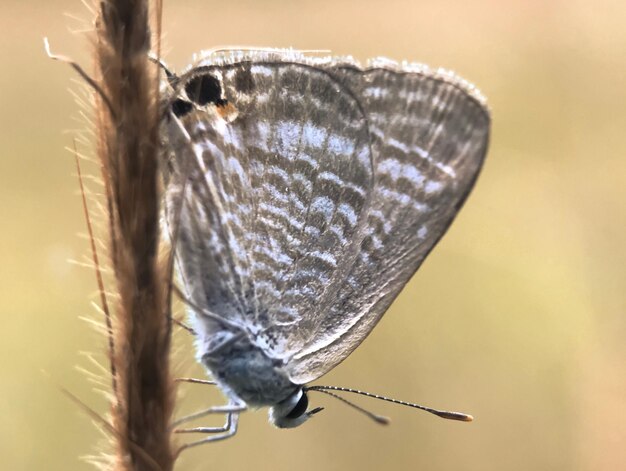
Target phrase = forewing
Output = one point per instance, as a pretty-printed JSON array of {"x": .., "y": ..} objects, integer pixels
[
  {"x": 429, "y": 135},
  {"x": 277, "y": 183}
]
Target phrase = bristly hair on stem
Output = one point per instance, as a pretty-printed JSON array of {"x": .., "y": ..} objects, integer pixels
[{"x": 128, "y": 148}]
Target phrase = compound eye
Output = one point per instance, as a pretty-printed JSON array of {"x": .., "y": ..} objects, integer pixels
[{"x": 300, "y": 408}]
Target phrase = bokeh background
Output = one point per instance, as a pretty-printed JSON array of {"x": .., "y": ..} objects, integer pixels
[{"x": 518, "y": 316}]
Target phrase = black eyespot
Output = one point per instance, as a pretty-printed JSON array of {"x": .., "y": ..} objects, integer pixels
[
  {"x": 300, "y": 407},
  {"x": 181, "y": 108},
  {"x": 205, "y": 89}
]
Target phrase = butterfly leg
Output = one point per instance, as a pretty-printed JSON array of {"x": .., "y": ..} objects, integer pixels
[
  {"x": 227, "y": 409},
  {"x": 221, "y": 433}
]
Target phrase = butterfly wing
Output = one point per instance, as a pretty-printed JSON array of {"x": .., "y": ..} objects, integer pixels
[
  {"x": 276, "y": 194},
  {"x": 429, "y": 136},
  {"x": 312, "y": 205}
]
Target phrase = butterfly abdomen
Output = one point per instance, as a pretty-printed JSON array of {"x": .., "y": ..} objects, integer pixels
[{"x": 248, "y": 372}]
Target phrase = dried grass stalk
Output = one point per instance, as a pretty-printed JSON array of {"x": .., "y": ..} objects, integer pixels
[{"x": 128, "y": 148}]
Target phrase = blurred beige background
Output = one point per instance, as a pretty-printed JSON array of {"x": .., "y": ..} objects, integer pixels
[{"x": 517, "y": 317}]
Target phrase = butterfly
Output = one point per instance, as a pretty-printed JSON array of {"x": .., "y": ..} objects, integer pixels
[{"x": 303, "y": 193}]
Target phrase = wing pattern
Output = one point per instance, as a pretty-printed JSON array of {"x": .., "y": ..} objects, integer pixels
[
  {"x": 314, "y": 198},
  {"x": 276, "y": 198},
  {"x": 429, "y": 138}
]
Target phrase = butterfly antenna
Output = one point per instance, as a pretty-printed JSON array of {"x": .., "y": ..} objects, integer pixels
[
  {"x": 376, "y": 418},
  {"x": 439, "y": 413}
]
